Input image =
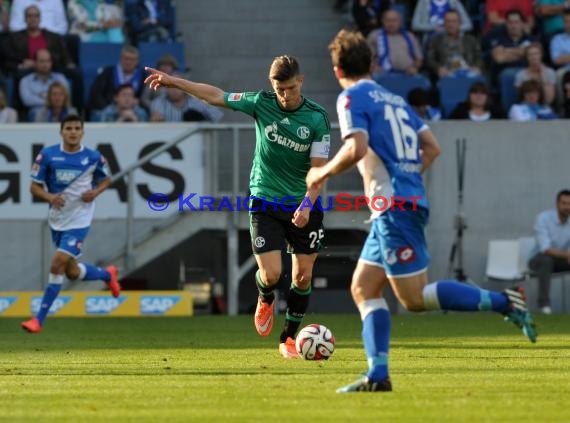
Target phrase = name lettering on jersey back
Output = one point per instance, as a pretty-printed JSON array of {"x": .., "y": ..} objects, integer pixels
[
  {"x": 390, "y": 98},
  {"x": 272, "y": 135}
]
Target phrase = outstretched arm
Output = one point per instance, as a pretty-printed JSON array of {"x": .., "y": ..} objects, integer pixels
[{"x": 207, "y": 93}]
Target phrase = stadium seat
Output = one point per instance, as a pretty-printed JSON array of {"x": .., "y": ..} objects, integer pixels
[
  {"x": 151, "y": 52},
  {"x": 98, "y": 55},
  {"x": 454, "y": 89},
  {"x": 507, "y": 261},
  {"x": 507, "y": 88},
  {"x": 9, "y": 82},
  {"x": 402, "y": 84},
  {"x": 93, "y": 57},
  {"x": 504, "y": 261}
]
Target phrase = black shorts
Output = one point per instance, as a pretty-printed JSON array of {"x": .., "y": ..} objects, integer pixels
[{"x": 271, "y": 227}]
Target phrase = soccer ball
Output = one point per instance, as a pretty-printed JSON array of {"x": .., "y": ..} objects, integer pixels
[{"x": 315, "y": 342}]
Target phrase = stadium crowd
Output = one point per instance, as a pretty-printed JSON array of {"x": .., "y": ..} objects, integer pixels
[
  {"x": 60, "y": 57},
  {"x": 512, "y": 57}
]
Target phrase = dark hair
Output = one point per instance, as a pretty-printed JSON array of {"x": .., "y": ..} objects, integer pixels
[
  {"x": 514, "y": 12},
  {"x": 529, "y": 86},
  {"x": 350, "y": 52},
  {"x": 123, "y": 87},
  {"x": 478, "y": 87},
  {"x": 284, "y": 68},
  {"x": 562, "y": 193},
  {"x": 71, "y": 118},
  {"x": 566, "y": 12},
  {"x": 418, "y": 97}
]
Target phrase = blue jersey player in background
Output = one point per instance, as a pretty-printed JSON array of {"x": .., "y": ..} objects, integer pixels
[
  {"x": 392, "y": 148},
  {"x": 69, "y": 176}
]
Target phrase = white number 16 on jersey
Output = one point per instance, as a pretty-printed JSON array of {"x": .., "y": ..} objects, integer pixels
[{"x": 405, "y": 137}]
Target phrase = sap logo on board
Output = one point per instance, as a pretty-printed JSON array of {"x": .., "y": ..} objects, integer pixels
[
  {"x": 102, "y": 304},
  {"x": 158, "y": 304},
  {"x": 57, "y": 305},
  {"x": 6, "y": 303}
]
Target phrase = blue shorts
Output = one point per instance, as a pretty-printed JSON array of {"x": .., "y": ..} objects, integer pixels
[
  {"x": 397, "y": 242},
  {"x": 70, "y": 241}
]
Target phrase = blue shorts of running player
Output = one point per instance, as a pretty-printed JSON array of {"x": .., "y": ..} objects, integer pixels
[
  {"x": 397, "y": 242},
  {"x": 70, "y": 241}
]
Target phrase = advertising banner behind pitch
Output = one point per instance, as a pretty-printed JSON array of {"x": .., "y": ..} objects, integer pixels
[
  {"x": 179, "y": 170},
  {"x": 99, "y": 304}
]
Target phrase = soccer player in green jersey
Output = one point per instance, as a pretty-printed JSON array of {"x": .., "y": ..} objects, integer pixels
[{"x": 292, "y": 134}]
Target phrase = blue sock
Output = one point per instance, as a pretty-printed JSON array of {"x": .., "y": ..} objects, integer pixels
[
  {"x": 457, "y": 296},
  {"x": 376, "y": 337},
  {"x": 50, "y": 294},
  {"x": 89, "y": 272}
]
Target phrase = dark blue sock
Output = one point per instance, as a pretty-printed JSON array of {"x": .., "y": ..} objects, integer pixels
[
  {"x": 95, "y": 273},
  {"x": 376, "y": 337},
  {"x": 50, "y": 294},
  {"x": 457, "y": 296}
]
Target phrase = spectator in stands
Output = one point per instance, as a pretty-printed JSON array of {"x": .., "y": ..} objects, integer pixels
[
  {"x": 367, "y": 15},
  {"x": 418, "y": 98},
  {"x": 452, "y": 52},
  {"x": 530, "y": 106},
  {"x": 537, "y": 70},
  {"x": 54, "y": 18},
  {"x": 560, "y": 45},
  {"x": 167, "y": 63},
  {"x": 497, "y": 11},
  {"x": 23, "y": 45},
  {"x": 394, "y": 49},
  {"x": 127, "y": 71},
  {"x": 7, "y": 114},
  {"x": 4, "y": 15},
  {"x": 125, "y": 107},
  {"x": 21, "y": 48},
  {"x": 57, "y": 105},
  {"x": 150, "y": 20},
  {"x": 552, "y": 231},
  {"x": 479, "y": 105},
  {"x": 551, "y": 13},
  {"x": 96, "y": 21},
  {"x": 508, "y": 47},
  {"x": 429, "y": 15},
  {"x": 33, "y": 88},
  {"x": 173, "y": 106}
]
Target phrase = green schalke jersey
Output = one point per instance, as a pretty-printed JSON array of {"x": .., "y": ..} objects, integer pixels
[{"x": 285, "y": 143}]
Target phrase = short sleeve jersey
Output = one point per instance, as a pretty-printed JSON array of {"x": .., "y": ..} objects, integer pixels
[
  {"x": 393, "y": 164},
  {"x": 285, "y": 142},
  {"x": 72, "y": 174}
]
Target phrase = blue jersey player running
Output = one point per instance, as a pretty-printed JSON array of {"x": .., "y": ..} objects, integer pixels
[
  {"x": 392, "y": 147},
  {"x": 69, "y": 176}
]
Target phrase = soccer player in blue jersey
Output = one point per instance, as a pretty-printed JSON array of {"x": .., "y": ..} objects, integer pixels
[
  {"x": 69, "y": 176},
  {"x": 392, "y": 147}
]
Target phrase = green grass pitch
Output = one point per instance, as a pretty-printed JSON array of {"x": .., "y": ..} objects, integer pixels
[{"x": 444, "y": 367}]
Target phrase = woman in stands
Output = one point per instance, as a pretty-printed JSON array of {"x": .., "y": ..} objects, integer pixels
[
  {"x": 537, "y": 70},
  {"x": 57, "y": 105},
  {"x": 478, "y": 106}
]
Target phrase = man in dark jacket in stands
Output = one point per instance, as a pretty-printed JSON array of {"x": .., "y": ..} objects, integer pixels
[
  {"x": 126, "y": 71},
  {"x": 21, "y": 48}
]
